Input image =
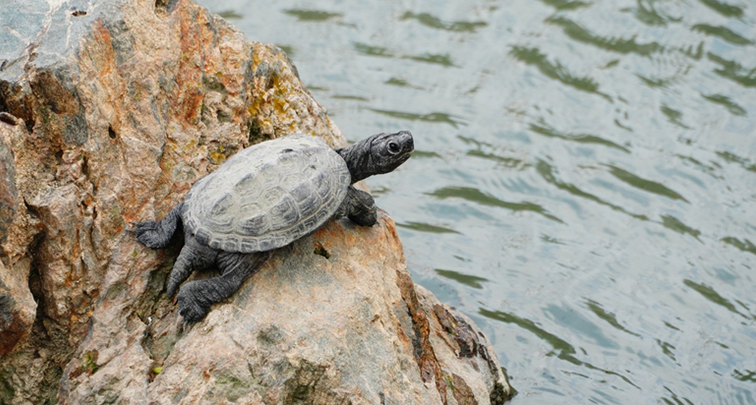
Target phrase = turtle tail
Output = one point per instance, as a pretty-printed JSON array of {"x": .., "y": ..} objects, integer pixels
[{"x": 157, "y": 234}]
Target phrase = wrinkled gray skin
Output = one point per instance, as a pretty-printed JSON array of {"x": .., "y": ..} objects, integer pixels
[{"x": 377, "y": 154}]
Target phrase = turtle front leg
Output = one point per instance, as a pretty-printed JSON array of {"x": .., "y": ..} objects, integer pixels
[
  {"x": 196, "y": 297},
  {"x": 157, "y": 234},
  {"x": 359, "y": 206}
]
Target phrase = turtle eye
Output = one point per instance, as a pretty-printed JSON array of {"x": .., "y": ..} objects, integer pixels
[{"x": 393, "y": 147}]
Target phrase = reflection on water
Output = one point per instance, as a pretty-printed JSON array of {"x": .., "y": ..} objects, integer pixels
[
  {"x": 230, "y": 15},
  {"x": 609, "y": 317},
  {"x": 422, "y": 227},
  {"x": 554, "y": 70},
  {"x": 434, "y": 22},
  {"x": 470, "y": 281},
  {"x": 311, "y": 15},
  {"x": 711, "y": 295},
  {"x": 583, "y": 185},
  {"x": 545, "y": 130},
  {"x": 372, "y": 50},
  {"x": 722, "y": 32},
  {"x": 430, "y": 117},
  {"x": 475, "y": 195},
  {"x": 643, "y": 184}
]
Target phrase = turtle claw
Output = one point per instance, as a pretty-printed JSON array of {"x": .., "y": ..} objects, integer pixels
[
  {"x": 189, "y": 307},
  {"x": 148, "y": 233},
  {"x": 192, "y": 313},
  {"x": 157, "y": 234},
  {"x": 170, "y": 290}
]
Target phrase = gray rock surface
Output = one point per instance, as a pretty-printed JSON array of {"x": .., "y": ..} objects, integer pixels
[{"x": 109, "y": 111}]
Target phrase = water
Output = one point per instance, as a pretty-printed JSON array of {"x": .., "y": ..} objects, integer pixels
[{"x": 585, "y": 180}]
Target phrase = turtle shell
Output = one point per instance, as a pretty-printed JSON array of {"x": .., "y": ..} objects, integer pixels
[{"x": 268, "y": 195}]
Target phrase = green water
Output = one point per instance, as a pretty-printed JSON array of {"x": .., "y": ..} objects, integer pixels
[{"x": 585, "y": 180}]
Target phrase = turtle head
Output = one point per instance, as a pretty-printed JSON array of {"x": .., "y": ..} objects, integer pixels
[
  {"x": 378, "y": 154},
  {"x": 388, "y": 151}
]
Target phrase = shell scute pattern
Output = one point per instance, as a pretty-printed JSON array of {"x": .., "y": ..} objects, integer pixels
[
  {"x": 306, "y": 199},
  {"x": 268, "y": 195},
  {"x": 284, "y": 213}
]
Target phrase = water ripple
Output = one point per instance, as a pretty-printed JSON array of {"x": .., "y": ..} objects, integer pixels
[
  {"x": 725, "y": 101},
  {"x": 311, "y": 15},
  {"x": 647, "y": 14},
  {"x": 710, "y": 294},
  {"x": 230, "y": 15},
  {"x": 546, "y": 130},
  {"x": 562, "y": 349},
  {"x": 733, "y": 70},
  {"x": 476, "y": 196},
  {"x": 733, "y": 158},
  {"x": 673, "y": 115},
  {"x": 466, "y": 279},
  {"x": 619, "y": 45},
  {"x": 723, "y": 33},
  {"x": 667, "y": 349},
  {"x": 643, "y": 184},
  {"x": 508, "y": 162},
  {"x": 349, "y": 97},
  {"x": 435, "y": 117},
  {"x": 725, "y": 9},
  {"x": 534, "y": 57},
  {"x": 609, "y": 317},
  {"x": 745, "y": 376},
  {"x": 395, "y": 81},
  {"x": 438, "y": 59},
  {"x": 370, "y": 50},
  {"x": 745, "y": 245},
  {"x": 670, "y": 222},
  {"x": 675, "y": 399},
  {"x": 423, "y": 227},
  {"x": 547, "y": 172},
  {"x": 432, "y": 21},
  {"x": 424, "y": 154},
  {"x": 566, "y": 4},
  {"x": 579, "y": 324},
  {"x": 700, "y": 166},
  {"x": 503, "y": 161}
]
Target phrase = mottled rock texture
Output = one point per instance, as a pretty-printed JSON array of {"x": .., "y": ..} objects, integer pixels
[{"x": 109, "y": 111}]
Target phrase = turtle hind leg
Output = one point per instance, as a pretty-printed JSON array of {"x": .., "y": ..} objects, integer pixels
[
  {"x": 196, "y": 297},
  {"x": 157, "y": 234},
  {"x": 193, "y": 256}
]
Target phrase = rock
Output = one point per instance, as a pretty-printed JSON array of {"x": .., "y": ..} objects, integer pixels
[
  {"x": 109, "y": 111},
  {"x": 333, "y": 318},
  {"x": 17, "y": 305}
]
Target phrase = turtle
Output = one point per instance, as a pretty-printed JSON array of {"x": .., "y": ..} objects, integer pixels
[{"x": 263, "y": 198}]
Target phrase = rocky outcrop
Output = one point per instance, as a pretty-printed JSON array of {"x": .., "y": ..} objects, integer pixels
[{"x": 109, "y": 112}]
